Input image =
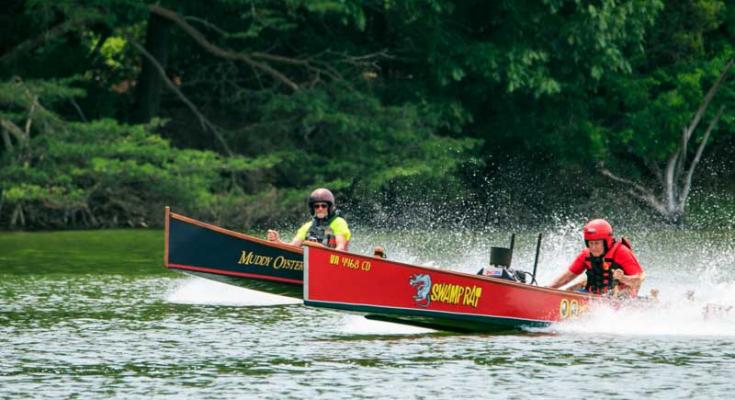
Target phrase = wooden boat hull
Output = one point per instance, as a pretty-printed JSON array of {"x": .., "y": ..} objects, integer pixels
[
  {"x": 215, "y": 253},
  {"x": 430, "y": 297}
]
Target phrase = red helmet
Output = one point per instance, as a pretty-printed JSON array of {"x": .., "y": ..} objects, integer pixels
[
  {"x": 322, "y": 195},
  {"x": 599, "y": 229}
]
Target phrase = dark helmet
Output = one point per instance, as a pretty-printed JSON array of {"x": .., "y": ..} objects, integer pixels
[
  {"x": 599, "y": 229},
  {"x": 322, "y": 195}
]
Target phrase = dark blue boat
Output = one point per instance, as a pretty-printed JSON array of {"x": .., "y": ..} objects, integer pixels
[{"x": 215, "y": 253}]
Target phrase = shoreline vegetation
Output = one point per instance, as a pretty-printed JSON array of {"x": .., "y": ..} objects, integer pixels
[{"x": 451, "y": 114}]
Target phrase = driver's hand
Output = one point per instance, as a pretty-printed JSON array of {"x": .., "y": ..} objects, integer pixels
[
  {"x": 272, "y": 235},
  {"x": 617, "y": 274}
]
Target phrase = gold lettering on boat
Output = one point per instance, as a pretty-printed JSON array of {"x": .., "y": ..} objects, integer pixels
[
  {"x": 574, "y": 308},
  {"x": 351, "y": 263},
  {"x": 250, "y": 258},
  {"x": 449, "y": 293},
  {"x": 564, "y": 309},
  {"x": 282, "y": 262},
  {"x": 571, "y": 308},
  {"x": 472, "y": 296}
]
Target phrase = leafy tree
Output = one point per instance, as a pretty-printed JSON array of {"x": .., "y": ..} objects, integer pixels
[
  {"x": 669, "y": 109},
  {"x": 70, "y": 174},
  {"x": 436, "y": 101}
]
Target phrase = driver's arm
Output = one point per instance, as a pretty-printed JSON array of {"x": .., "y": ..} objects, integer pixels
[
  {"x": 341, "y": 242},
  {"x": 562, "y": 280}
]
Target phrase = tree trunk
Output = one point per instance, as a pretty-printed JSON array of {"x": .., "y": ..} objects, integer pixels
[
  {"x": 676, "y": 181},
  {"x": 149, "y": 84}
]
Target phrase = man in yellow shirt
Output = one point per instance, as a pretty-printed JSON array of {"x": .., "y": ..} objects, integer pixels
[{"x": 326, "y": 226}]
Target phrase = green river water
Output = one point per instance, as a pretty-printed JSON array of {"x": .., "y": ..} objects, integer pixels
[{"x": 95, "y": 315}]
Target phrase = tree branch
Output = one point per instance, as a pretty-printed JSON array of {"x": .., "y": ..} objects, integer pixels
[
  {"x": 202, "y": 41},
  {"x": 688, "y": 182},
  {"x": 651, "y": 200},
  {"x": 637, "y": 191},
  {"x": 57, "y": 30},
  {"x": 6, "y": 139},
  {"x": 669, "y": 175},
  {"x": 686, "y": 135},
  {"x": 13, "y": 129},
  {"x": 29, "y": 120},
  {"x": 79, "y": 109},
  {"x": 708, "y": 99},
  {"x": 279, "y": 58},
  {"x": 681, "y": 156},
  {"x": 606, "y": 172},
  {"x": 208, "y": 25},
  {"x": 206, "y": 124}
]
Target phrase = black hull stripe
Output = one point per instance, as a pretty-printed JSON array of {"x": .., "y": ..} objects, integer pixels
[{"x": 235, "y": 274}]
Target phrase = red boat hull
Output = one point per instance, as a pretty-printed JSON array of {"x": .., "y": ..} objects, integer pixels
[{"x": 430, "y": 297}]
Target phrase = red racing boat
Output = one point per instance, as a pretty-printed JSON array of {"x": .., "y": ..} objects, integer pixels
[
  {"x": 430, "y": 297},
  {"x": 215, "y": 253}
]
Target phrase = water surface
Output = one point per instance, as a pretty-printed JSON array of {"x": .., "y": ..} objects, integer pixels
[{"x": 95, "y": 315}]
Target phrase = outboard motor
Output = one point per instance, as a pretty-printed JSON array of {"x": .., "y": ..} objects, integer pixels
[
  {"x": 500, "y": 261},
  {"x": 500, "y": 258}
]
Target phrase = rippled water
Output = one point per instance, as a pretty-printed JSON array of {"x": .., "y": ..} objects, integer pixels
[{"x": 94, "y": 315}]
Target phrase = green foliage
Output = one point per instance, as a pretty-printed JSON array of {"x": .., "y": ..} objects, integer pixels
[
  {"x": 533, "y": 48},
  {"x": 380, "y": 100},
  {"x": 347, "y": 137},
  {"x": 656, "y": 104},
  {"x": 104, "y": 173}
]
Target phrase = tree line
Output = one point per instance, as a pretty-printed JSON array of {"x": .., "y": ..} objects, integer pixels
[{"x": 233, "y": 110}]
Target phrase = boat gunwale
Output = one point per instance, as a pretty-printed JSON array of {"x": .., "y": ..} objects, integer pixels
[{"x": 215, "y": 228}]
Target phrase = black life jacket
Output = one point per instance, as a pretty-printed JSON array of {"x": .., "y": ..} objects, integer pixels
[
  {"x": 320, "y": 232},
  {"x": 599, "y": 270}
]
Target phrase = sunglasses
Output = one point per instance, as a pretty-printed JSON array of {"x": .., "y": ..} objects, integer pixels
[{"x": 320, "y": 205}]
